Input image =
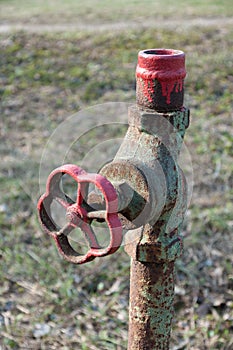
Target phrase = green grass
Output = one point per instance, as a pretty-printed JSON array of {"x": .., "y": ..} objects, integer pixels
[
  {"x": 47, "y": 77},
  {"x": 94, "y": 11}
]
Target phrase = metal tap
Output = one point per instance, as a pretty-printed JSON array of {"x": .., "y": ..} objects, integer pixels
[{"x": 141, "y": 195}]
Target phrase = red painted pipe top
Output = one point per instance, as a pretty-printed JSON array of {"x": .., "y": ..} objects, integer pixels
[{"x": 160, "y": 75}]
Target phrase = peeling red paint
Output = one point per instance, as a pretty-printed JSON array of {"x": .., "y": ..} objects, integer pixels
[
  {"x": 147, "y": 87},
  {"x": 167, "y": 88}
]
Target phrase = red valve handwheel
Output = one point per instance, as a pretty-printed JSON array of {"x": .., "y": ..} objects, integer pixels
[{"x": 77, "y": 215}]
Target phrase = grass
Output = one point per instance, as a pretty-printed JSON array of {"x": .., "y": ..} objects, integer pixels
[
  {"x": 44, "y": 79},
  {"x": 94, "y": 11}
]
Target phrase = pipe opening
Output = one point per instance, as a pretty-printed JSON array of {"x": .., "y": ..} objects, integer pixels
[{"x": 161, "y": 52}]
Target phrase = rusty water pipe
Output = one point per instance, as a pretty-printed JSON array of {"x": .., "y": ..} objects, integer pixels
[
  {"x": 156, "y": 129},
  {"x": 143, "y": 192}
]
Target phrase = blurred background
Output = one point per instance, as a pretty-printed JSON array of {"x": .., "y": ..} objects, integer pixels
[{"x": 57, "y": 59}]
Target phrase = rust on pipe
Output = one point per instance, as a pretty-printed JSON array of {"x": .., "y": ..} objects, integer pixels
[{"x": 151, "y": 305}]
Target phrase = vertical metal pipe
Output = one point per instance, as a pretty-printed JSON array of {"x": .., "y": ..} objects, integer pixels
[
  {"x": 151, "y": 305},
  {"x": 160, "y": 75}
]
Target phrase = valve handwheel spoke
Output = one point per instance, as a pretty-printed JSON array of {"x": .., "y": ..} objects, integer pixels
[
  {"x": 64, "y": 202},
  {"x": 78, "y": 213}
]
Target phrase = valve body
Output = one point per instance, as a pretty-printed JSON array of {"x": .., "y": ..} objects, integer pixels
[{"x": 157, "y": 125}]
